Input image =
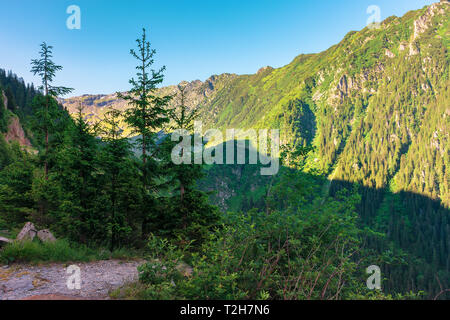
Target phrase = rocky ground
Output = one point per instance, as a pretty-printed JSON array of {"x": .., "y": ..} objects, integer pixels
[{"x": 49, "y": 281}]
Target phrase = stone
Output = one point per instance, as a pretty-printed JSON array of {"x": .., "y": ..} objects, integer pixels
[
  {"x": 28, "y": 232},
  {"x": 16, "y": 133},
  {"x": 46, "y": 236},
  {"x": 5, "y": 100},
  {"x": 24, "y": 283},
  {"x": 4, "y": 240}
]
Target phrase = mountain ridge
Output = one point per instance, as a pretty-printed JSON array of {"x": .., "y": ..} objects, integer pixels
[{"x": 364, "y": 103}]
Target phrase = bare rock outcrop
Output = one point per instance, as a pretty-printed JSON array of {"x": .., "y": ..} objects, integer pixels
[
  {"x": 4, "y": 240},
  {"x": 423, "y": 22},
  {"x": 28, "y": 232},
  {"x": 5, "y": 100},
  {"x": 16, "y": 133},
  {"x": 46, "y": 236}
]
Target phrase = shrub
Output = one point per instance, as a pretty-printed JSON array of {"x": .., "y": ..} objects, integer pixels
[
  {"x": 258, "y": 256},
  {"x": 58, "y": 251}
]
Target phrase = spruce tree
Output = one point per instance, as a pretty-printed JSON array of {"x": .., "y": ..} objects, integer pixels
[
  {"x": 146, "y": 116},
  {"x": 148, "y": 112},
  {"x": 77, "y": 168},
  {"x": 46, "y": 69},
  {"x": 183, "y": 119},
  {"x": 190, "y": 216},
  {"x": 119, "y": 182}
]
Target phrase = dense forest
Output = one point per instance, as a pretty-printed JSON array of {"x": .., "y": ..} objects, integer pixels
[{"x": 364, "y": 176}]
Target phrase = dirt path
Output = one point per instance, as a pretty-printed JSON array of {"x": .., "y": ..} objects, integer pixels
[{"x": 49, "y": 281}]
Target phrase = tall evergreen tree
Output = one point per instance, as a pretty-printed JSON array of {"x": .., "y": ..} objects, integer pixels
[
  {"x": 183, "y": 119},
  {"x": 76, "y": 168},
  {"x": 46, "y": 69},
  {"x": 148, "y": 112},
  {"x": 146, "y": 116}
]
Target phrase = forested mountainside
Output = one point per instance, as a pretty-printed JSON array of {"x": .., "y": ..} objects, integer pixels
[
  {"x": 363, "y": 178},
  {"x": 375, "y": 107}
]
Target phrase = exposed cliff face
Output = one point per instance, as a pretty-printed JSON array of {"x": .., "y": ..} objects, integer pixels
[
  {"x": 15, "y": 130},
  {"x": 16, "y": 133}
]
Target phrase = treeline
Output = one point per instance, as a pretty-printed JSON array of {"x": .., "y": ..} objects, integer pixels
[
  {"x": 287, "y": 239},
  {"x": 86, "y": 184}
]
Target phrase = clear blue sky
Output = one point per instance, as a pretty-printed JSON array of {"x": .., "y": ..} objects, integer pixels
[{"x": 194, "y": 39}]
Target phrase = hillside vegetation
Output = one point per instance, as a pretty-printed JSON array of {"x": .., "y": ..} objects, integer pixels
[{"x": 364, "y": 178}]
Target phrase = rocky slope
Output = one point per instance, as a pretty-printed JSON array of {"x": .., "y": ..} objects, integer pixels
[
  {"x": 198, "y": 93},
  {"x": 14, "y": 130}
]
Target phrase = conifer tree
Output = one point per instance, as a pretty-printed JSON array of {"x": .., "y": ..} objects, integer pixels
[
  {"x": 46, "y": 69},
  {"x": 183, "y": 119},
  {"x": 146, "y": 116},
  {"x": 191, "y": 217},
  {"x": 77, "y": 167},
  {"x": 119, "y": 183},
  {"x": 148, "y": 112}
]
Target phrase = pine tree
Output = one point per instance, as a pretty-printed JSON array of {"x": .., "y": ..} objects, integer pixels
[
  {"x": 148, "y": 112},
  {"x": 46, "y": 69},
  {"x": 76, "y": 168},
  {"x": 119, "y": 180},
  {"x": 183, "y": 119},
  {"x": 146, "y": 116}
]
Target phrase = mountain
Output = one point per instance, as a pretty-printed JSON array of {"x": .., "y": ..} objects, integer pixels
[
  {"x": 376, "y": 109},
  {"x": 198, "y": 93},
  {"x": 375, "y": 105}
]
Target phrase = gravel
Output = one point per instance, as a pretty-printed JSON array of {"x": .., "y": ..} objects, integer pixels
[{"x": 97, "y": 279}]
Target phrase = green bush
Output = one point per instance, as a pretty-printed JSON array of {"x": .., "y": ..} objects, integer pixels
[
  {"x": 259, "y": 256},
  {"x": 58, "y": 251}
]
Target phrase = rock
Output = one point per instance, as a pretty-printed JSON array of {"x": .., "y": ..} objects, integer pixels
[
  {"x": 28, "y": 232},
  {"x": 4, "y": 240},
  {"x": 24, "y": 283},
  {"x": 389, "y": 54},
  {"x": 16, "y": 133},
  {"x": 57, "y": 297},
  {"x": 46, "y": 236},
  {"x": 5, "y": 100}
]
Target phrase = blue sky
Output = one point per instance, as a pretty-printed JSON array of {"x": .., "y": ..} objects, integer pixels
[{"x": 194, "y": 39}]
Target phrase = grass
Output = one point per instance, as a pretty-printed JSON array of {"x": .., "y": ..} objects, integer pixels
[
  {"x": 58, "y": 251},
  {"x": 129, "y": 291}
]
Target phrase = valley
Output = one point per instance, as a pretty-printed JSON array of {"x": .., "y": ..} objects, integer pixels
[{"x": 363, "y": 176}]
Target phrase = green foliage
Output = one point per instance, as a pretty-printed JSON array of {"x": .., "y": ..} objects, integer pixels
[
  {"x": 60, "y": 251},
  {"x": 91, "y": 188},
  {"x": 35, "y": 252},
  {"x": 46, "y": 69},
  {"x": 147, "y": 113},
  {"x": 253, "y": 256},
  {"x": 365, "y": 149}
]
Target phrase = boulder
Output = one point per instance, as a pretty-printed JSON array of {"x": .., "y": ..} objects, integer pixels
[
  {"x": 46, "y": 236},
  {"x": 4, "y": 241},
  {"x": 28, "y": 232}
]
